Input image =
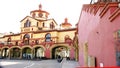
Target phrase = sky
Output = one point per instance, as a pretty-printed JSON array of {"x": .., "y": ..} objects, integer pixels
[{"x": 13, "y": 11}]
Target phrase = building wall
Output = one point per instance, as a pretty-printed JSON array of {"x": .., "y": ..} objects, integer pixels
[
  {"x": 61, "y": 35},
  {"x": 98, "y": 32}
]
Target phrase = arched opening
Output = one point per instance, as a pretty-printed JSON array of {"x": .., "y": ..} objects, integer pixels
[
  {"x": 52, "y": 25},
  {"x": 15, "y": 53},
  {"x": 27, "y": 24},
  {"x": 26, "y": 39},
  {"x": 60, "y": 51},
  {"x": 48, "y": 37},
  {"x": 26, "y": 53},
  {"x": 9, "y": 41},
  {"x": 5, "y": 53},
  {"x": 38, "y": 53}
]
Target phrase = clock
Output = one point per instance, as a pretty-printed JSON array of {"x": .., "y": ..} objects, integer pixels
[{"x": 40, "y": 14}]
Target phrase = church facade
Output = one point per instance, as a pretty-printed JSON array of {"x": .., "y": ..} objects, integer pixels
[{"x": 40, "y": 38}]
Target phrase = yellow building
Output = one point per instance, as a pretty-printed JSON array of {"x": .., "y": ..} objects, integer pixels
[{"x": 40, "y": 37}]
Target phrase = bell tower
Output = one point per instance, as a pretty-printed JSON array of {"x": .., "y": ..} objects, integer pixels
[{"x": 37, "y": 21}]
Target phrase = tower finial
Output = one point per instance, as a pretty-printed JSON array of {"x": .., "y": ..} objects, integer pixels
[
  {"x": 40, "y": 7},
  {"x": 66, "y": 20}
]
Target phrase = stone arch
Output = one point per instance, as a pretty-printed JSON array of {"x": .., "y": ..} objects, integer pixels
[
  {"x": 5, "y": 52},
  {"x": 26, "y": 39},
  {"x": 39, "y": 52},
  {"x": 48, "y": 37},
  {"x": 62, "y": 50},
  {"x": 15, "y": 47},
  {"x": 26, "y": 52},
  {"x": 15, "y": 52},
  {"x": 4, "y": 47},
  {"x": 39, "y": 46}
]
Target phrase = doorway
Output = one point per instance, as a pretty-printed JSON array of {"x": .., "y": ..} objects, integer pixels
[
  {"x": 60, "y": 51},
  {"x": 26, "y": 53}
]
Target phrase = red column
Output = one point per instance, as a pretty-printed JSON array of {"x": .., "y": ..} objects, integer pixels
[
  {"x": 47, "y": 53},
  {"x": 72, "y": 53}
]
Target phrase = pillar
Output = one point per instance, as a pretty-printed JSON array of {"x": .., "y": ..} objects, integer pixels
[
  {"x": 76, "y": 54},
  {"x": 9, "y": 54},
  {"x": 85, "y": 47},
  {"x": 32, "y": 53},
  {"x": 72, "y": 53},
  {"x": 21, "y": 54},
  {"x": 47, "y": 53}
]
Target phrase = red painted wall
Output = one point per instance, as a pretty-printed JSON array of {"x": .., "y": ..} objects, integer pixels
[{"x": 98, "y": 32}]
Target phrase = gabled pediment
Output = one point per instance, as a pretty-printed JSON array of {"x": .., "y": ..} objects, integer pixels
[{"x": 28, "y": 18}]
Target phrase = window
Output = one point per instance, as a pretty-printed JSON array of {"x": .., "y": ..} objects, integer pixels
[
  {"x": 37, "y": 23},
  {"x": 118, "y": 33},
  {"x": 48, "y": 37},
  {"x": 43, "y": 24},
  {"x": 27, "y": 24},
  {"x": 40, "y": 14},
  {"x": 26, "y": 39},
  {"x": 16, "y": 43},
  {"x": 68, "y": 39},
  {"x": 9, "y": 40},
  {"x": 36, "y": 41},
  {"x": 52, "y": 25}
]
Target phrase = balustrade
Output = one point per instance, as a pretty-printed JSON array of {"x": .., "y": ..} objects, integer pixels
[{"x": 29, "y": 42}]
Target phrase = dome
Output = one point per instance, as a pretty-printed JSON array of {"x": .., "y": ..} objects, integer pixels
[
  {"x": 66, "y": 24},
  {"x": 39, "y": 14}
]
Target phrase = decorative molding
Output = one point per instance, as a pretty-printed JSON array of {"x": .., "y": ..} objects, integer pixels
[
  {"x": 106, "y": 7},
  {"x": 114, "y": 14}
]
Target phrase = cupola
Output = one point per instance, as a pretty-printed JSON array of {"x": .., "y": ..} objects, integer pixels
[
  {"x": 65, "y": 24},
  {"x": 39, "y": 14}
]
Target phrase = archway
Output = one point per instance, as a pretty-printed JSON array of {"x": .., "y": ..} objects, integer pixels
[
  {"x": 5, "y": 53},
  {"x": 60, "y": 50},
  {"x": 26, "y": 53},
  {"x": 38, "y": 53},
  {"x": 26, "y": 39},
  {"x": 15, "y": 53}
]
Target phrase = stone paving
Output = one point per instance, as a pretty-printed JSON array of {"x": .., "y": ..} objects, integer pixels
[{"x": 38, "y": 64}]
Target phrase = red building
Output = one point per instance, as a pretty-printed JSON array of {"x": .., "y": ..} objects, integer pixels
[{"x": 99, "y": 34}]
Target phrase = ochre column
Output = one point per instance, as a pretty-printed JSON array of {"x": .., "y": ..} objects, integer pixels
[
  {"x": 9, "y": 54},
  {"x": 21, "y": 54},
  {"x": 32, "y": 53},
  {"x": 85, "y": 54}
]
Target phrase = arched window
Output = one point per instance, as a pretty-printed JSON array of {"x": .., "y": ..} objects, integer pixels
[
  {"x": 48, "y": 37},
  {"x": 37, "y": 23},
  {"x": 36, "y": 41},
  {"x": 52, "y": 25},
  {"x": 9, "y": 40},
  {"x": 68, "y": 39},
  {"x": 43, "y": 24},
  {"x": 26, "y": 39},
  {"x": 27, "y": 24}
]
